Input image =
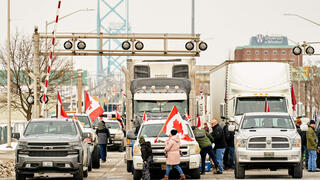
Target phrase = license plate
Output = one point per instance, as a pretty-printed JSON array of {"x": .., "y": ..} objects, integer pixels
[
  {"x": 268, "y": 154},
  {"x": 47, "y": 164}
]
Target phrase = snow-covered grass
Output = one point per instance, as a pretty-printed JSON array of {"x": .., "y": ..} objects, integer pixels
[{"x": 3, "y": 147}]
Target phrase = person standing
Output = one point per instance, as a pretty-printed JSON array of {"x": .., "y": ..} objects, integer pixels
[
  {"x": 206, "y": 128},
  {"x": 220, "y": 145},
  {"x": 303, "y": 135},
  {"x": 172, "y": 150},
  {"x": 228, "y": 159},
  {"x": 103, "y": 135},
  {"x": 146, "y": 154},
  {"x": 312, "y": 144},
  {"x": 205, "y": 144}
]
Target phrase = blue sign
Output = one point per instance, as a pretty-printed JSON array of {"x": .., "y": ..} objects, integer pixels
[{"x": 261, "y": 40}]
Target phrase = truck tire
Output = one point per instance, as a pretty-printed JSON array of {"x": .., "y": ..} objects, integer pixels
[
  {"x": 297, "y": 171},
  {"x": 239, "y": 171},
  {"x": 79, "y": 175},
  {"x": 137, "y": 174},
  {"x": 96, "y": 157},
  {"x": 90, "y": 166},
  {"x": 129, "y": 166},
  {"x": 85, "y": 173},
  {"x": 195, "y": 173},
  {"x": 20, "y": 176}
]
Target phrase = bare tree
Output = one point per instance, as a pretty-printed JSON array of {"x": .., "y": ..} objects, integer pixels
[{"x": 21, "y": 67}]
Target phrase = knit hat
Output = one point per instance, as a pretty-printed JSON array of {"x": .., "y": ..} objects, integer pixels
[
  {"x": 141, "y": 140},
  {"x": 312, "y": 122},
  {"x": 299, "y": 121}
]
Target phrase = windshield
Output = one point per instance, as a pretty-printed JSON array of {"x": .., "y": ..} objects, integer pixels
[
  {"x": 51, "y": 127},
  {"x": 257, "y": 104},
  {"x": 152, "y": 130},
  {"x": 85, "y": 121},
  {"x": 250, "y": 122},
  {"x": 113, "y": 125},
  {"x": 159, "y": 106}
]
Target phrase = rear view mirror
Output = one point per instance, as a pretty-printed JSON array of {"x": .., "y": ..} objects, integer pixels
[
  {"x": 231, "y": 128},
  {"x": 200, "y": 135},
  {"x": 223, "y": 110},
  {"x": 131, "y": 135},
  {"x": 304, "y": 127},
  {"x": 15, "y": 136}
]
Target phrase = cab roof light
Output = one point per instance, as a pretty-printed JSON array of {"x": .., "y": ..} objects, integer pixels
[
  {"x": 255, "y": 94},
  {"x": 144, "y": 88},
  {"x": 167, "y": 88},
  {"x": 153, "y": 87}
]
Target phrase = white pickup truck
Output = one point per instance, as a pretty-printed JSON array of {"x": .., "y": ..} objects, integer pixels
[{"x": 190, "y": 161}]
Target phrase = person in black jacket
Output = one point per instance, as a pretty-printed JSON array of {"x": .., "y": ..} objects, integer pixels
[
  {"x": 220, "y": 144},
  {"x": 146, "y": 154},
  {"x": 103, "y": 135},
  {"x": 228, "y": 159},
  {"x": 303, "y": 141}
]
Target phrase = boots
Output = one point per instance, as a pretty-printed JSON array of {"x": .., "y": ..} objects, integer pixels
[
  {"x": 165, "y": 178},
  {"x": 182, "y": 177}
]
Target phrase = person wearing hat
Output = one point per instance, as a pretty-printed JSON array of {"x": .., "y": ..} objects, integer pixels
[
  {"x": 146, "y": 154},
  {"x": 303, "y": 141},
  {"x": 312, "y": 144},
  {"x": 206, "y": 128}
]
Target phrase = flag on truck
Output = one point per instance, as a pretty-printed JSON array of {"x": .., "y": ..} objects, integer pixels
[
  {"x": 145, "y": 118},
  {"x": 175, "y": 121},
  {"x": 266, "y": 106},
  {"x": 293, "y": 99},
  {"x": 198, "y": 121},
  {"x": 62, "y": 112},
  {"x": 92, "y": 107},
  {"x": 118, "y": 117},
  {"x": 187, "y": 116}
]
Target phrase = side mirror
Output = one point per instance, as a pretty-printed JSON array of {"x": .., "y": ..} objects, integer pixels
[
  {"x": 304, "y": 127},
  {"x": 231, "y": 128},
  {"x": 299, "y": 109},
  {"x": 231, "y": 119},
  {"x": 223, "y": 110},
  {"x": 15, "y": 136},
  {"x": 131, "y": 135},
  {"x": 200, "y": 135}
]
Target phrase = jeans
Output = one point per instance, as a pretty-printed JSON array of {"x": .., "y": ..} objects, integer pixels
[
  {"x": 219, "y": 158},
  {"x": 312, "y": 163},
  {"x": 103, "y": 151},
  {"x": 305, "y": 151},
  {"x": 175, "y": 166},
  {"x": 203, "y": 153},
  {"x": 231, "y": 154}
]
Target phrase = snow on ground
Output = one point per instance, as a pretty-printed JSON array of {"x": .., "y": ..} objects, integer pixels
[{"x": 3, "y": 147}]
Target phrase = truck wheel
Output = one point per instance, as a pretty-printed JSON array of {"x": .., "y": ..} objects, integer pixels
[
  {"x": 297, "y": 171},
  {"x": 90, "y": 166},
  {"x": 20, "y": 176},
  {"x": 239, "y": 171},
  {"x": 129, "y": 166},
  {"x": 195, "y": 173},
  {"x": 79, "y": 175},
  {"x": 137, "y": 174},
  {"x": 96, "y": 157},
  {"x": 85, "y": 173}
]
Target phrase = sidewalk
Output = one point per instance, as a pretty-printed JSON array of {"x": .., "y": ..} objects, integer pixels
[{"x": 7, "y": 153}]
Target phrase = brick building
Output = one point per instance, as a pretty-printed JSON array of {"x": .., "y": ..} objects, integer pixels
[{"x": 267, "y": 48}]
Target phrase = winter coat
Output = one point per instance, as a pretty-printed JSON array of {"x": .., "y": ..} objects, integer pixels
[
  {"x": 103, "y": 135},
  {"x": 312, "y": 139},
  {"x": 229, "y": 136},
  {"x": 204, "y": 141},
  {"x": 173, "y": 150},
  {"x": 218, "y": 136},
  {"x": 146, "y": 150}
]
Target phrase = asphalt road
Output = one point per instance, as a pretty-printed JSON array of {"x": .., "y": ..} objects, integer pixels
[{"x": 115, "y": 169}]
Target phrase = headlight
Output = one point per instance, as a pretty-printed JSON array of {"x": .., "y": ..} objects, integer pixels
[
  {"x": 296, "y": 142},
  {"x": 194, "y": 149},
  {"x": 118, "y": 135},
  {"x": 22, "y": 145},
  {"x": 241, "y": 143},
  {"x": 136, "y": 150},
  {"x": 76, "y": 143}
]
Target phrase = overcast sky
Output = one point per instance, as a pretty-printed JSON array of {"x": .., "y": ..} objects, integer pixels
[{"x": 223, "y": 24}]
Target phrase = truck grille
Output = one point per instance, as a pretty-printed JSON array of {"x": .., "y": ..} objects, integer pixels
[
  {"x": 268, "y": 143},
  {"x": 48, "y": 153},
  {"x": 268, "y": 158},
  {"x": 159, "y": 150}
]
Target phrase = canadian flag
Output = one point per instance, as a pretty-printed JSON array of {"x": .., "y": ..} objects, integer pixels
[
  {"x": 62, "y": 112},
  {"x": 293, "y": 99},
  {"x": 175, "y": 121},
  {"x": 92, "y": 107},
  {"x": 75, "y": 117},
  {"x": 145, "y": 118},
  {"x": 118, "y": 117},
  {"x": 266, "y": 106},
  {"x": 198, "y": 121},
  {"x": 187, "y": 116}
]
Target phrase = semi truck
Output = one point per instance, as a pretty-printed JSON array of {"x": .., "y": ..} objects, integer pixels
[
  {"x": 154, "y": 87},
  {"x": 238, "y": 87}
]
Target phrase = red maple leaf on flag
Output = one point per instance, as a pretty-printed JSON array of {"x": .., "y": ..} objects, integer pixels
[{"x": 178, "y": 126}]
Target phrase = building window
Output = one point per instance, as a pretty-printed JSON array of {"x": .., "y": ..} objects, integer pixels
[
  {"x": 283, "y": 52},
  {"x": 257, "y": 52},
  {"x": 274, "y": 52},
  {"x": 266, "y": 52},
  {"x": 248, "y": 52}
]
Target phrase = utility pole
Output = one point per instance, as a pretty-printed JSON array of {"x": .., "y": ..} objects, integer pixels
[
  {"x": 36, "y": 72},
  {"x": 79, "y": 91},
  {"x": 192, "y": 16},
  {"x": 9, "y": 82}
]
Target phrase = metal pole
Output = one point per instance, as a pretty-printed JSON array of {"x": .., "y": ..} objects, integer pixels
[
  {"x": 9, "y": 82},
  {"x": 71, "y": 88},
  {"x": 79, "y": 91},
  {"x": 299, "y": 75},
  {"x": 36, "y": 71},
  {"x": 192, "y": 16}
]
